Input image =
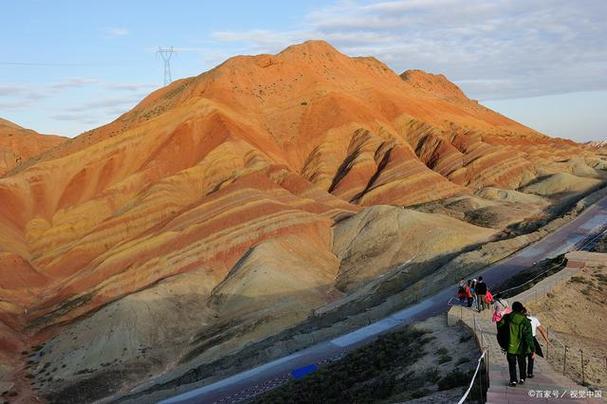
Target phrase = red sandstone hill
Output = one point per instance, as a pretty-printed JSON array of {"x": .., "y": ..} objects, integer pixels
[
  {"x": 216, "y": 199},
  {"x": 18, "y": 144}
]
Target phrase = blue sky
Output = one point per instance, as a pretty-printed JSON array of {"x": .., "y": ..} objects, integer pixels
[{"x": 69, "y": 66}]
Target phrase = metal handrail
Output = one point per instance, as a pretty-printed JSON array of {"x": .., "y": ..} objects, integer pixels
[
  {"x": 526, "y": 282},
  {"x": 465, "y": 396},
  {"x": 583, "y": 357},
  {"x": 592, "y": 238}
]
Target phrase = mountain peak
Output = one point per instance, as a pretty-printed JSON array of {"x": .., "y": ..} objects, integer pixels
[
  {"x": 437, "y": 84},
  {"x": 313, "y": 46}
]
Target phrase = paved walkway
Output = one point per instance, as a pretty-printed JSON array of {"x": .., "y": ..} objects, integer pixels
[{"x": 548, "y": 385}]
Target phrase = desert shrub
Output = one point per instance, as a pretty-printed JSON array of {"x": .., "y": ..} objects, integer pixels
[
  {"x": 602, "y": 278},
  {"x": 462, "y": 360},
  {"x": 432, "y": 375},
  {"x": 580, "y": 279},
  {"x": 420, "y": 393},
  {"x": 464, "y": 338},
  {"x": 454, "y": 379}
]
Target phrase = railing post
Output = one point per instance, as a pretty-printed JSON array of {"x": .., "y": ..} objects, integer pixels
[
  {"x": 547, "y": 342},
  {"x": 480, "y": 380},
  {"x": 565, "y": 361},
  {"x": 583, "y": 372},
  {"x": 487, "y": 366}
]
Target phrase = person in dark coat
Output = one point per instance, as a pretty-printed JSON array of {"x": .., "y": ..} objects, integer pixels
[{"x": 481, "y": 294}]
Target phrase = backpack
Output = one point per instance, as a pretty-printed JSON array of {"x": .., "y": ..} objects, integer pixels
[
  {"x": 503, "y": 331},
  {"x": 461, "y": 291}
]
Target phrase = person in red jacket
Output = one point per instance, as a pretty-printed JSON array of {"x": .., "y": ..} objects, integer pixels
[{"x": 461, "y": 292}]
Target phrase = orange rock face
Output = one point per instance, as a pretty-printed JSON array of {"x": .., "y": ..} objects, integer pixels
[
  {"x": 18, "y": 145},
  {"x": 261, "y": 147}
]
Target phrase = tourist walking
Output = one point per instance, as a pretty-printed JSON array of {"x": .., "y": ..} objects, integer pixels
[
  {"x": 469, "y": 293},
  {"x": 535, "y": 327},
  {"x": 481, "y": 294},
  {"x": 473, "y": 291},
  {"x": 461, "y": 292},
  {"x": 516, "y": 338},
  {"x": 489, "y": 298}
]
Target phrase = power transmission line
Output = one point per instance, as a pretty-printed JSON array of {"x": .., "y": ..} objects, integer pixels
[
  {"x": 165, "y": 54},
  {"x": 35, "y": 64},
  {"x": 46, "y": 64}
]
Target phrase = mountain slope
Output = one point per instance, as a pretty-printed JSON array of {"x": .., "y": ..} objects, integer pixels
[
  {"x": 18, "y": 144},
  {"x": 224, "y": 193}
]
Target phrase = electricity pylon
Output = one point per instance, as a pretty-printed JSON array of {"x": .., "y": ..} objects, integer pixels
[{"x": 165, "y": 54}]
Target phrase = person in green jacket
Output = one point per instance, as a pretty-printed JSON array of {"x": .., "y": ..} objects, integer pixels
[{"x": 519, "y": 341}]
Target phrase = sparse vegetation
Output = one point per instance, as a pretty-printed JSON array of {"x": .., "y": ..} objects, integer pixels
[
  {"x": 396, "y": 367},
  {"x": 601, "y": 245},
  {"x": 432, "y": 375},
  {"x": 454, "y": 379},
  {"x": 601, "y": 278},
  {"x": 364, "y": 375},
  {"x": 580, "y": 305},
  {"x": 531, "y": 276},
  {"x": 580, "y": 279},
  {"x": 464, "y": 338},
  {"x": 462, "y": 360}
]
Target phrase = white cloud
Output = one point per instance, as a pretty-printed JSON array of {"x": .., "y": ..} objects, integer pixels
[
  {"x": 109, "y": 99},
  {"x": 493, "y": 49},
  {"x": 130, "y": 86},
  {"x": 17, "y": 104},
  {"x": 115, "y": 31},
  {"x": 80, "y": 117},
  {"x": 105, "y": 103},
  {"x": 73, "y": 83}
]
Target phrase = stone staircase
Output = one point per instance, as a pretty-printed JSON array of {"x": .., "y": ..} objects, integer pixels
[{"x": 548, "y": 385}]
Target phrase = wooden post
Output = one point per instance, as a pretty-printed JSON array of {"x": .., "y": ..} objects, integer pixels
[
  {"x": 565, "y": 361},
  {"x": 547, "y": 342},
  {"x": 480, "y": 381},
  {"x": 583, "y": 373}
]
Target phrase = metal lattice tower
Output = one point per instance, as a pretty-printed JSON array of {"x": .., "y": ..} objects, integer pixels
[{"x": 165, "y": 54}]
